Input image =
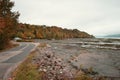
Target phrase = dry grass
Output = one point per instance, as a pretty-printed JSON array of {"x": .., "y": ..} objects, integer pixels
[
  {"x": 27, "y": 70},
  {"x": 83, "y": 77},
  {"x": 42, "y": 45}
]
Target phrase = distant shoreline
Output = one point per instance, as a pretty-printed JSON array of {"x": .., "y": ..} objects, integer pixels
[{"x": 108, "y": 37}]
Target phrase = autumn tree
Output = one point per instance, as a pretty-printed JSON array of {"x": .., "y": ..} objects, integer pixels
[
  {"x": 49, "y": 32},
  {"x": 8, "y": 22}
]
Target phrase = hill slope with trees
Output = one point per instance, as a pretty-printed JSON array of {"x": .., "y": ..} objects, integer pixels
[{"x": 49, "y": 32}]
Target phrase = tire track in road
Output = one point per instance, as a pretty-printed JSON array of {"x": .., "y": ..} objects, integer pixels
[{"x": 20, "y": 56}]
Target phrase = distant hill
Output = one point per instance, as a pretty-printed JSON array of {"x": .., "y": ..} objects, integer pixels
[
  {"x": 48, "y": 32},
  {"x": 113, "y": 35}
]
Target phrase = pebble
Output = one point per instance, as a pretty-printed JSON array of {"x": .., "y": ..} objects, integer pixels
[{"x": 51, "y": 64}]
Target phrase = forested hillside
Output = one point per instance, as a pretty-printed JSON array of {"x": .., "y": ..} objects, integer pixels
[{"x": 48, "y": 32}]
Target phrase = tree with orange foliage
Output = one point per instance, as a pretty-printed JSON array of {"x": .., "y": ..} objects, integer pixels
[{"x": 8, "y": 22}]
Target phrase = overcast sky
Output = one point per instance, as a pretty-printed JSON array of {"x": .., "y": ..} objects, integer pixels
[{"x": 97, "y": 17}]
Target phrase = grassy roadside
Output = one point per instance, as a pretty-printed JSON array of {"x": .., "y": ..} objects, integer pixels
[{"x": 27, "y": 70}]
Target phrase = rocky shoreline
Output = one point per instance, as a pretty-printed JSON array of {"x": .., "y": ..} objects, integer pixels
[
  {"x": 52, "y": 65},
  {"x": 55, "y": 67},
  {"x": 94, "y": 62}
]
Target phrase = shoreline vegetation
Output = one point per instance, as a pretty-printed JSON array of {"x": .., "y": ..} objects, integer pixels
[{"x": 27, "y": 31}]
